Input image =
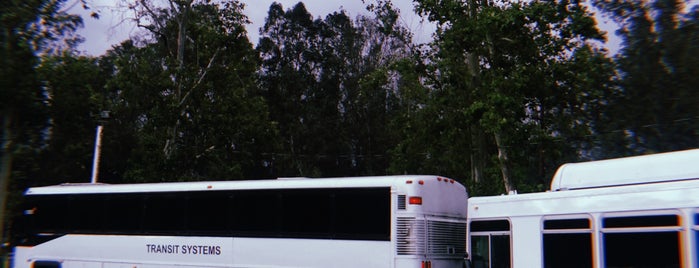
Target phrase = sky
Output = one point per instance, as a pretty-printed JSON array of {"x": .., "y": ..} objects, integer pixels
[{"x": 115, "y": 25}]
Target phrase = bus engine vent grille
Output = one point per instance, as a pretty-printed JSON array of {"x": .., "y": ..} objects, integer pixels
[
  {"x": 430, "y": 237},
  {"x": 446, "y": 238},
  {"x": 410, "y": 236},
  {"x": 401, "y": 201}
]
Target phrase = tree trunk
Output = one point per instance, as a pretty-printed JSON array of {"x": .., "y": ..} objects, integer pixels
[
  {"x": 5, "y": 167},
  {"x": 477, "y": 155},
  {"x": 170, "y": 143},
  {"x": 504, "y": 162}
]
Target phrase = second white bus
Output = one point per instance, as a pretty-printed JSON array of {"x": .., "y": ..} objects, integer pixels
[{"x": 635, "y": 212}]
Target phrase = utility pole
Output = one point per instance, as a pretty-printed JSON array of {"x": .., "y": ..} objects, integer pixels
[{"x": 104, "y": 115}]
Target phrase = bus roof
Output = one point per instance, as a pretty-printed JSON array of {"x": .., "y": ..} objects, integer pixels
[
  {"x": 652, "y": 196},
  {"x": 671, "y": 166},
  {"x": 285, "y": 183}
]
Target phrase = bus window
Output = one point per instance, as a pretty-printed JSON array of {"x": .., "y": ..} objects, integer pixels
[
  {"x": 46, "y": 264},
  {"x": 123, "y": 213},
  {"x": 254, "y": 213},
  {"x": 209, "y": 213},
  {"x": 164, "y": 213},
  {"x": 642, "y": 241},
  {"x": 567, "y": 243},
  {"x": 490, "y": 244},
  {"x": 363, "y": 214},
  {"x": 49, "y": 214},
  {"x": 306, "y": 214},
  {"x": 83, "y": 214}
]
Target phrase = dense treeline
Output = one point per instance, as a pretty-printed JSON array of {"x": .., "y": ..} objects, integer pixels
[{"x": 505, "y": 92}]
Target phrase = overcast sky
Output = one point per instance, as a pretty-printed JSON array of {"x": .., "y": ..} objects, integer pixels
[{"x": 114, "y": 24}]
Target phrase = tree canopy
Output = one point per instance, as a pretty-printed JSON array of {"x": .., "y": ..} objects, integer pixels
[{"x": 504, "y": 93}]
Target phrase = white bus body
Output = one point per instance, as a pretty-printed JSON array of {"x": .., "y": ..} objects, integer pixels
[
  {"x": 389, "y": 221},
  {"x": 635, "y": 212}
]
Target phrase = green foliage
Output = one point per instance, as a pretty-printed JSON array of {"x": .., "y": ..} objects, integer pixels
[
  {"x": 331, "y": 89},
  {"x": 653, "y": 109},
  {"x": 195, "y": 117},
  {"x": 521, "y": 73},
  {"x": 27, "y": 28},
  {"x": 342, "y": 96},
  {"x": 74, "y": 85}
]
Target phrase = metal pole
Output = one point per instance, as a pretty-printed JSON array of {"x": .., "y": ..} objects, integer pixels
[{"x": 96, "y": 154}]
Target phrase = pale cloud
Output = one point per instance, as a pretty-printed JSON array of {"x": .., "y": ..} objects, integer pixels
[{"x": 116, "y": 25}]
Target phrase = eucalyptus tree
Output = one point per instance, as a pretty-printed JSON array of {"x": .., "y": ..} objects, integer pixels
[
  {"x": 291, "y": 60},
  {"x": 658, "y": 74},
  {"x": 374, "y": 86},
  {"x": 190, "y": 94},
  {"x": 27, "y": 28},
  {"x": 74, "y": 85},
  {"x": 331, "y": 87},
  {"x": 520, "y": 80}
]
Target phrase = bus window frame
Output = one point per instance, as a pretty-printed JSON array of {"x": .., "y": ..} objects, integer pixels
[
  {"x": 677, "y": 229},
  {"x": 568, "y": 231},
  {"x": 490, "y": 235},
  {"x": 694, "y": 229}
]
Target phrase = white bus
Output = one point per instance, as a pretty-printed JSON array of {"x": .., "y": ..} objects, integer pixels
[
  {"x": 389, "y": 221},
  {"x": 629, "y": 212}
]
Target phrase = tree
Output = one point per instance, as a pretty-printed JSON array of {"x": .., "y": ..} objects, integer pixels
[
  {"x": 653, "y": 109},
  {"x": 290, "y": 62},
  {"x": 27, "y": 28},
  {"x": 331, "y": 88},
  {"x": 507, "y": 73},
  {"x": 74, "y": 87},
  {"x": 373, "y": 86},
  {"x": 192, "y": 99}
]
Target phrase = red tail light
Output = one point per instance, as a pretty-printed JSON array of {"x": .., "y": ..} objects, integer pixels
[{"x": 415, "y": 200}]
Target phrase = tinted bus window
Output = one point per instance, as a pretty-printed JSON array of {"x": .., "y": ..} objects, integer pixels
[
  {"x": 567, "y": 224},
  {"x": 123, "y": 213},
  {"x": 354, "y": 213},
  {"x": 641, "y": 241},
  {"x": 84, "y": 213},
  {"x": 209, "y": 213},
  {"x": 495, "y": 226},
  {"x": 256, "y": 213},
  {"x": 641, "y": 221},
  {"x": 363, "y": 213},
  {"x": 306, "y": 213},
  {"x": 490, "y": 244},
  {"x": 164, "y": 213},
  {"x": 659, "y": 249},
  {"x": 49, "y": 213},
  {"x": 567, "y": 243},
  {"x": 46, "y": 264}
]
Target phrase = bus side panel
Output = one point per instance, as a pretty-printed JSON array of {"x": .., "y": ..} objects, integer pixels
[
  {"x": 19, "y": 257},
  {"x": 130, "y": 251},
  {"x": 79, "y": 250},
  {"x": 311, "y": 253},
  {"x": 526, "y": 237}
]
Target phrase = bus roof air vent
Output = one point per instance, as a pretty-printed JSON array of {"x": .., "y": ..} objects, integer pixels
[{"x": 654, "y": 168}]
